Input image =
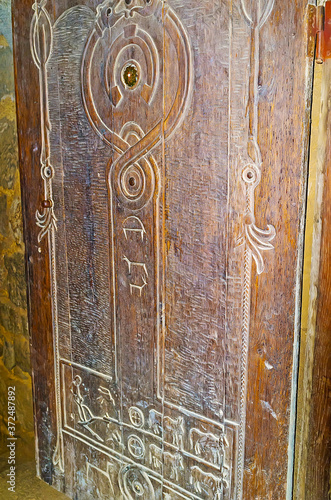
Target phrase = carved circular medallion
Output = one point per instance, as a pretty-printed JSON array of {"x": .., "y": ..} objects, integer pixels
[
  {"x": 135, "y": 483},
  {"x": 47, "y": 172},
  {"x": 130, "y": 75},
  {"x": 251, "y": 174},
  {"x": 121, "y": 55},
  {"x": 136, "y": 416},
  {"x": 136, "y": 447},
  {"x": 132, "y": 181}
]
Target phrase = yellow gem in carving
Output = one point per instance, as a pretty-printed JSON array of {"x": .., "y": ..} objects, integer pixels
[{"x": 130, "y": 75}]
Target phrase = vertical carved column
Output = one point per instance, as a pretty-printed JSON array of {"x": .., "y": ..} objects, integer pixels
[
  {"x": 254, "y": 239},
  {"x": 41, "y": 42},
  {"x": 126, "y": 107}
]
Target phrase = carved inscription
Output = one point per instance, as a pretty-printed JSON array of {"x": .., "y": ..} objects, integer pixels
[
  {"x": 133, "y": 224},
  {"x": 144, "y": 277}
]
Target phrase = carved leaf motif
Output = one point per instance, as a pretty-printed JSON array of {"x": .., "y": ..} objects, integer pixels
[
  {"x": 46, "y": 220},
  {"x": 254, "y": 152},
  {"x": 258, "y": 240},
  {"x": 256, "y": 12}
]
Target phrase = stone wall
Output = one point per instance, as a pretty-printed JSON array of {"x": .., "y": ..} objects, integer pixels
[{"x": 14, "y": 337}]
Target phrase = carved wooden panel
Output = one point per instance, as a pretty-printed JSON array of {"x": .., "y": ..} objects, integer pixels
[{"x": 164, "y": 168}]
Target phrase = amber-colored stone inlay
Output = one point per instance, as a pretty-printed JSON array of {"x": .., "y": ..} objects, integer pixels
[{"x": 130, "y": 75}]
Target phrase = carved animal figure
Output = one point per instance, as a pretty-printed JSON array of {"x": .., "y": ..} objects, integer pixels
[
  {"x": 207, "y": 483},
  {"x": 105, "y": 396},
  {"x": 155, "y": 421},
  {"x": 175, "y": 462},
  {"x": 155, "y": 456},
  {"x": 174, "y": 426},
  {"x": 172, "y": 461},
  {"x": 208, "y": 445}
]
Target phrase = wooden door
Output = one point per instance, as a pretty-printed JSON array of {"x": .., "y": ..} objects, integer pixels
[{"x": 163, "y": 158}]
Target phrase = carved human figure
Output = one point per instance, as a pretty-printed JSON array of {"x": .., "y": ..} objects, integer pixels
[
  {"x": 84, "y": 411},
  {"x": 86, "y": 416}
]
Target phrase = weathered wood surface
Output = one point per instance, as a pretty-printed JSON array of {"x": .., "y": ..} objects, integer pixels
[
  {"x": 37, "y": 263},
  {"x": 164, "y": 273},
  {"x": 319, "y": 440},
  {"x": 314, "y": 423}
]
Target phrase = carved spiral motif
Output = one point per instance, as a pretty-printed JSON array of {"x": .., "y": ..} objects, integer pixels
[
  {"x": 135, "y": 483},
  {"x": 134, "y": 183},
  {"x": 129, "y": 47}
]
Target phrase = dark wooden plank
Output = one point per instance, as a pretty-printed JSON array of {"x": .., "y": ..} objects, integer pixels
[{"x": 37, "y": 262}]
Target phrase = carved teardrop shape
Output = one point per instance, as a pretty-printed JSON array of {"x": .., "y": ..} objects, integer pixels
[
  {"x": 256, "y": 12},
  {"x": 41, "y": 35}
]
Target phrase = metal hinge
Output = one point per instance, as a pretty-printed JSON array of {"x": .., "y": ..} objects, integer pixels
[{"x": 319, "y": 31}]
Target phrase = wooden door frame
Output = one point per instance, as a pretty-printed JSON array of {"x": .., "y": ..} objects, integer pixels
[{"x": 313, "y": 429}]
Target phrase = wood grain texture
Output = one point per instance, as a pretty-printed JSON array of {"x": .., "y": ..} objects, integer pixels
[
  {"x": 275, "y": 324},
  {"x": 37, "y": 264},
  {"x": 163, "y": 298},
  {"x": 314, "y": 479}
]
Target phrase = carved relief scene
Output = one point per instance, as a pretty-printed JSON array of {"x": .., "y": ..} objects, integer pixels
[{"x": 156, "y": 224}]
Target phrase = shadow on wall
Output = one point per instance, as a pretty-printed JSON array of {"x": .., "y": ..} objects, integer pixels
[{"x": 14, "y": 337}]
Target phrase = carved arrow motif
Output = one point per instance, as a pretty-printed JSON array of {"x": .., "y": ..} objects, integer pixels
[
  {"x": 255, "y": 240},
  {"x": 41, "y": 42}
]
